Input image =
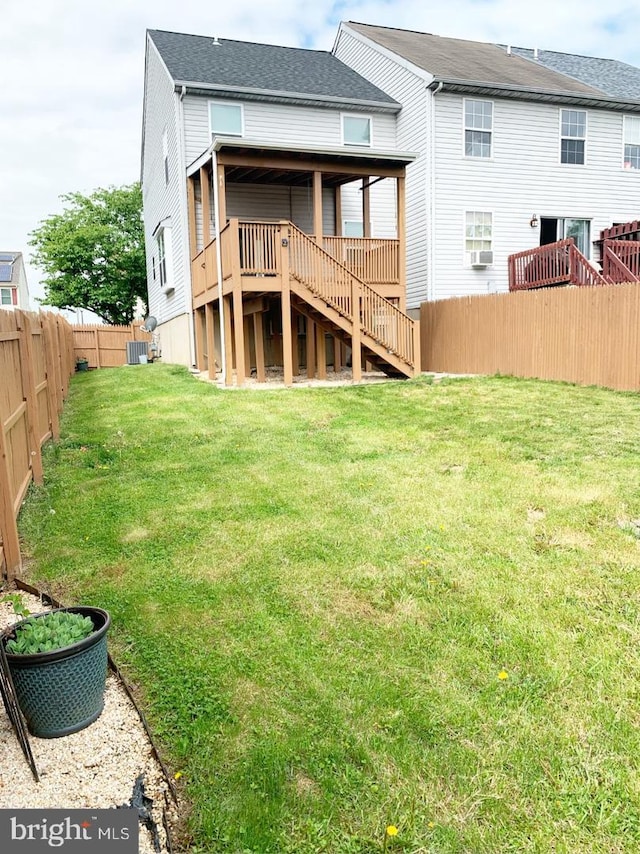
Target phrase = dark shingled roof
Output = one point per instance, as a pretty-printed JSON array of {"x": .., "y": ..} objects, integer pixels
[
  {"x": 610, "y": 76},
  {"x": 468, "y": 61},
  {"x": 269, "y": 68}
]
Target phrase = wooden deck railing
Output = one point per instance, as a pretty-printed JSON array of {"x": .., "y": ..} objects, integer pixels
[
  {"x": 621, "y": 260},
  {"x": 559, "y": 263},
  {"x": 373, "y": 260},
  {"x": 337, "y": 286},
  {"x": 259, "y": 248}
]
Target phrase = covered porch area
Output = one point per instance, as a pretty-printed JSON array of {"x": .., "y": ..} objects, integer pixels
[{"x": 275, "y": 281}]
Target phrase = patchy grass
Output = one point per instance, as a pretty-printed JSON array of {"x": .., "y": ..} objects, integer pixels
[{"x": 405, "y": 604}]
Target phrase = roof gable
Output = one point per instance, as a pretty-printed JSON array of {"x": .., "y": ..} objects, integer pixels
[{"x": 236, "y": 66}]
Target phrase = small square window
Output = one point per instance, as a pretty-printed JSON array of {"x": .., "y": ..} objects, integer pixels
[
  {"x": 352, "y": 228},
  {"x": 6, "y": 296},
  {"x": 356, "y": 130},
  {"x": 226, "y": 119}
]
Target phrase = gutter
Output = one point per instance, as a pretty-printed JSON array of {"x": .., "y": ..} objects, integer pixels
[
  {"x": 192, "y": 87},
  {"x": 507, "y": 90}
]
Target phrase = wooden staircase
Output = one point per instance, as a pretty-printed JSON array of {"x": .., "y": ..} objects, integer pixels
[{"x": 327, "y": 292}]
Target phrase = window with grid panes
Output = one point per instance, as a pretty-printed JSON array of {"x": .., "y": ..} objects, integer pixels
[
  {"x": 478, "y": 128},
  {"x": 573, "y": 136}
]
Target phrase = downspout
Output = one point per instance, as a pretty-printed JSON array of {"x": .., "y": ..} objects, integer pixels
[
  {"x": 216, "y": 208},
  {"x": 431, "y": 289},
  {"x": 186, "y": 251}
]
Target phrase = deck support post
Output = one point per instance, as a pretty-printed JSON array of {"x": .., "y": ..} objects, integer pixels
[
  {"x": 317, "y": 207},
  {"x": 311, "y": 349},
  {"x": 321, "y": 347},
  {"x": 228, "y": 344},
  {"x": 206, "y": 205},
  {"x": 258, "y": 338},
  {"x": 287, "y": 356},
  {"x": 211, "y": 340},
  {"x": 236, "y": 285},
  {"x": 366, "y": 208},
  {"x": 247, "y": 346},
  {"x": 402, "y": 241}
]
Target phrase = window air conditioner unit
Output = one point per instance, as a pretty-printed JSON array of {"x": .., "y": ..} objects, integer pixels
[{"x": 482, "y": 258}]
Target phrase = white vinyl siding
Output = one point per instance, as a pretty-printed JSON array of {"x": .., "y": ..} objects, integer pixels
[
  {"x": 162, "y": 189},
  {"x": 288, "y": 124},
  {"x": 408, "y": 88},
  {"x": 524, "y": 177}
]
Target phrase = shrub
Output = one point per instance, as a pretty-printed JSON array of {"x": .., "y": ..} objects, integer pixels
[{"x": 47, "y": 632}]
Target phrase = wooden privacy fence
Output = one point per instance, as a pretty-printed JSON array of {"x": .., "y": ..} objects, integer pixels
[
  {"x": 36, "y": 361},
  {"x": 586, "y": 335},
  {"x": 106, "y": 346}
]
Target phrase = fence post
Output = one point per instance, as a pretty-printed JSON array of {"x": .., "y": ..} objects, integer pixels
[
  {"x": 29, "y": 393},
  {"x": 8, "y": 526},
  {"x": 53, "y": 389}
]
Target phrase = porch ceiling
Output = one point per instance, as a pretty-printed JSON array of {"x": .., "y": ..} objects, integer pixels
[{"x": 268, "y": 163}]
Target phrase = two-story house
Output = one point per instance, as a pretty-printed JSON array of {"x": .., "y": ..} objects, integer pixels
[
  {"x": 14, "y": 292},
  {"x": 274, "y": 209},
  {"x": 518, "y": 148}
]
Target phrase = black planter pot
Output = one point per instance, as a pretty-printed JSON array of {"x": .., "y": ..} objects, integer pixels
[{"x": 62, "y": 691}]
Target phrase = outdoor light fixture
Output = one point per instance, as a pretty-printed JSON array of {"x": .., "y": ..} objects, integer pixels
[{"x": 533, "y": 222}]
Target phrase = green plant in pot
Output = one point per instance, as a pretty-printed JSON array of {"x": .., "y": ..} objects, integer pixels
[{"x": 58, "y": 662}]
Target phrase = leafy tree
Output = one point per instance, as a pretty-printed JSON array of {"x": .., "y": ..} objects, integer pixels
[{"x": 93, "y": 253}]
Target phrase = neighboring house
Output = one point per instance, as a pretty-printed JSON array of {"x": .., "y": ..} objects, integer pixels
[
  {"x": 517, "y": 149},
  {"x": 273, "y": 189},
  {"x": 14, "y": 292}
]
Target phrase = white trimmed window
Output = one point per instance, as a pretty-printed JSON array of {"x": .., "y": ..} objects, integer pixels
[
  {"x": 478, "y": 231},
  {"x": 6, "y": 296},
  {"x": 164, "y": 264},
  {"x": 356, "y": 130},
  {"x": 478, "y": 128},
  {"x": 631, "y": 142},
  {"x": 226, "y": 119},
  {"x": 573, "y": 136}
]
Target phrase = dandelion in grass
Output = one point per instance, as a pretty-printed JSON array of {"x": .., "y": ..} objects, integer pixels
[
  {"x": 503, "y": 675},
  {"x": 389, "y": 834},
  {"x": 431, "y": 825}
]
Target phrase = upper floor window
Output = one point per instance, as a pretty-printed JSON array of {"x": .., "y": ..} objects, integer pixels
[
  {"x": 226, "y": 119},
  {"x": 478, "y": 231},
  {"x": 356, "y": 130},
  {"x": 631, "y": 142},
  {"x": 478, "y": 128},
  {"x": 164, "y": 264},
  {"x": 573, "y": 136}
]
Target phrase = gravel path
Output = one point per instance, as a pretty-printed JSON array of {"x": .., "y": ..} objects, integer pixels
[{"x": 95, "y": 768}]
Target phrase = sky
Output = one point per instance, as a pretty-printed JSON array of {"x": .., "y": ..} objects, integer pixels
[{"x": 72, "y": 73}]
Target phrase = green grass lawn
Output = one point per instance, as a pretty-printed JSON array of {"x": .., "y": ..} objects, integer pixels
[{"x": 406, "y": 604}]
